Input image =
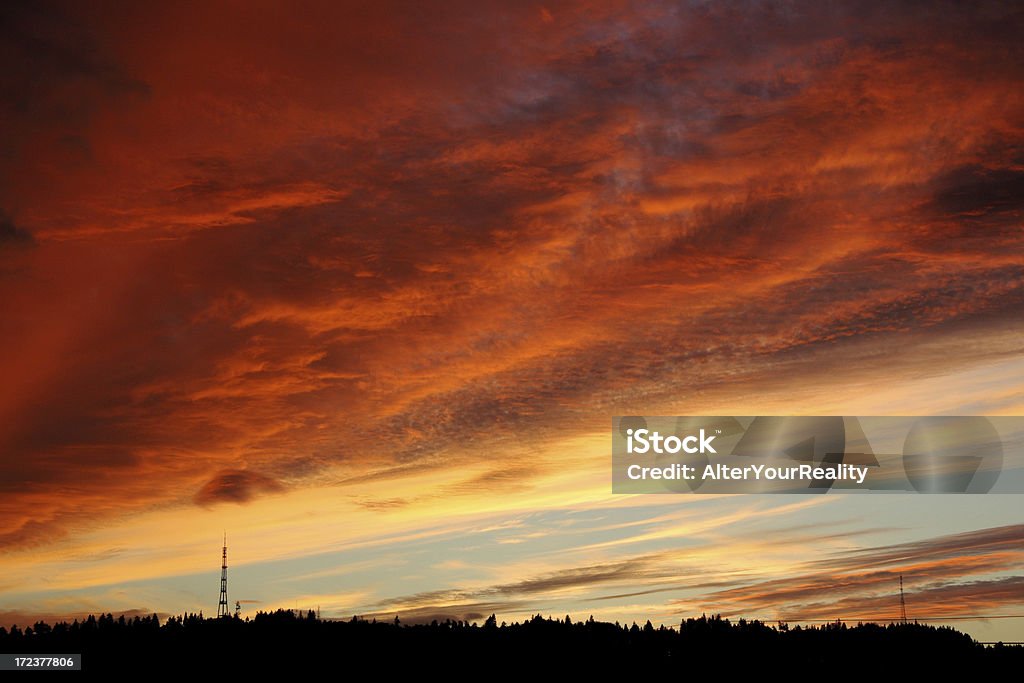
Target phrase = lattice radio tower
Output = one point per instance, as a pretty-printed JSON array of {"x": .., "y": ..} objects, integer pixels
[
  {"x": 222, "y": 606},
  {"x": 903, "y": 603}
]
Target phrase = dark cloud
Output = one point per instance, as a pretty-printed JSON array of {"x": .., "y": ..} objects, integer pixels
[
  {"x": 611, "y": 572},
  {"x": 974, "y": 193},
  {"x": 456, "y": 601},
  {"x": 58, "y": 74},
  {"x": 236, "y": 486},
  {"x": 11, "y": 234},
  {"x": 697, "y": 585},
  {"x": 383, "y": 504},
  {"x": 980, "y": 542}
]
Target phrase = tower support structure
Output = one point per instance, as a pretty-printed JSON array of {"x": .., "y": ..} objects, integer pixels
[
  {"x": 903, "y": 603},
  {"x": 222, "y": 606}
]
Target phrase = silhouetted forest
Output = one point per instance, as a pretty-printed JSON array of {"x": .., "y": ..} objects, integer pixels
[{"x": 300, "y": 642}]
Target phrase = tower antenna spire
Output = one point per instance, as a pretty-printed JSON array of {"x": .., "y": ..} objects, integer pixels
[
  {"x": 222, "y": 606},
  {"x": 903, "y": 603}
]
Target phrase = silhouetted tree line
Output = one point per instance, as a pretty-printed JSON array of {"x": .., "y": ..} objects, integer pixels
[{"x": 286, "y": 640}]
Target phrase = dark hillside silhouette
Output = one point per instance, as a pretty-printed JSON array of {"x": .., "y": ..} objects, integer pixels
[{"x": 284, "y": 640}]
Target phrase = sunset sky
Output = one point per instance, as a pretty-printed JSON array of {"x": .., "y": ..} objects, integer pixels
[{"x": 363, "y": 283}]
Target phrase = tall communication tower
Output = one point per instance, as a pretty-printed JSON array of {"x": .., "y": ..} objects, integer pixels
[
  {"x": 903, "y": 603},
  {"x": 222, "y": 606}
]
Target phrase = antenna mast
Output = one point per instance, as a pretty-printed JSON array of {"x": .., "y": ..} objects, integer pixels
[
  {"x": 222, "y": 606},
  {"x": 903, "y": 603}
]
